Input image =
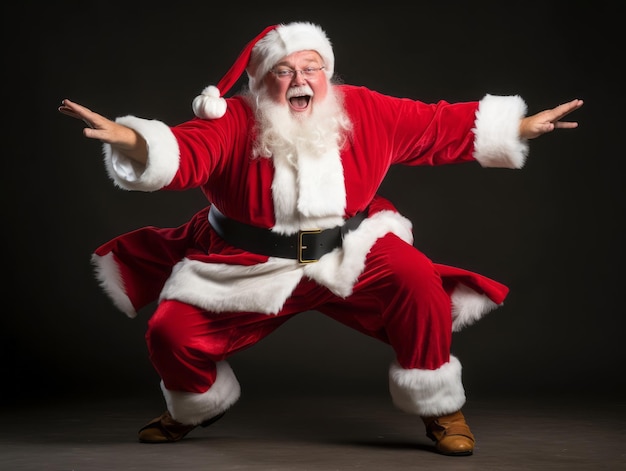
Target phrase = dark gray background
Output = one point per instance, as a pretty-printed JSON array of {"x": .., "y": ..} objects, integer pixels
[{"x": 552, "y": 231}]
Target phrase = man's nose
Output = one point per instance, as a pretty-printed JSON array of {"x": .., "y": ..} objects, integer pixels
[{"x": 298, "y": 77}]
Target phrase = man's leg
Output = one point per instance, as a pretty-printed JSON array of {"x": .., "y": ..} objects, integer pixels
[
  {"x": 188, "y": 348},
  {"x": 400, "y": 299}
]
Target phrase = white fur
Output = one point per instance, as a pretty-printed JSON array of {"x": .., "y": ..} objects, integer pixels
[
  {"x": 108, "y": 274},
  {"x": 427, "y": 392},
  {"x": 194, "y": 408},
  {"x": 209, "y": 104},
  {"x": 316, "y": 190},
  {"x": 497, "y": 142},
  {"x": 219, "y": 287},
  {"x": 321, "y": 184},
  {"x": 284, "y": 195},
  {"x": 163, "y": 157},
  {"x": 468, "y": 306}
]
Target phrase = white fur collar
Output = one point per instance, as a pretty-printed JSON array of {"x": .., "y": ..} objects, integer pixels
[{"x": 313, "y": 190}]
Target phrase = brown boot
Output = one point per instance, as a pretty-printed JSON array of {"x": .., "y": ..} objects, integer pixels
[
  {"x": 451, "y": 434},
  {"x": 164, "y": 429}
]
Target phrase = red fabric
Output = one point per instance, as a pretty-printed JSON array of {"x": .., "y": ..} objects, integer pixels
[
  {"x": 239, "y": 66},
  {"x": 145, "y": 257},
  {"x": 399, "y": 299},
  {"x": 215, "y": 155},
  {"x": 451, "y": 276}
]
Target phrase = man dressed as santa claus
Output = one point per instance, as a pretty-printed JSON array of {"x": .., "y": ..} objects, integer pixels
[{"x": 291, "y": 167}]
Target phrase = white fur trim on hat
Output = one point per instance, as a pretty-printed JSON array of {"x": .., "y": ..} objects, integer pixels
[{"x": 284, "y": 40}]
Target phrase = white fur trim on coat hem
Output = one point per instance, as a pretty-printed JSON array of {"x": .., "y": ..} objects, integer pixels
[
  {"x": 108, "y": 275},
  {"x": 427, "y": 393},
  {"x": 194, "y": 408},
  {"x": 219, "y": 287},
  {"x": 468, "y": 306},
  {"x": 265, "y": 287}
]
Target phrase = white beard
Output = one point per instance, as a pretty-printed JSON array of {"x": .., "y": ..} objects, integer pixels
[
  {"x": 281, "y": 132},
  {"x": 308, "y": 188}
]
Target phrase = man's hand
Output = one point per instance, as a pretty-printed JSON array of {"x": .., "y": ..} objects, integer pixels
[
  {"x": 548, "y": 120},
  {"x": 123, "y": 138}
]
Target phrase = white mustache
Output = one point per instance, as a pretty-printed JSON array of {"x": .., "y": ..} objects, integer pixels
[{"x": 303, "y": 90}]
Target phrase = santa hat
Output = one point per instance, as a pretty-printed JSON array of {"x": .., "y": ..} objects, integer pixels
[{"x": 259, "y": 56}]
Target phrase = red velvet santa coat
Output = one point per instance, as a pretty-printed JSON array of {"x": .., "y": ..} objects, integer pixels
[{"x": 192, "y": 264}]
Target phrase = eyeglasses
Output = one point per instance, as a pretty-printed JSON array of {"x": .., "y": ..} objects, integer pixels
[{"x": 310, "y": 73}]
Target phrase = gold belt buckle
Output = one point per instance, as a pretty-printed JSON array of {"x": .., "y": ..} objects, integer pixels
[{"x": 302, "y": 247}]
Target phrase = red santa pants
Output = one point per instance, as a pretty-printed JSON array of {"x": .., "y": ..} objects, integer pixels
[{"x": 399, "y": 299}]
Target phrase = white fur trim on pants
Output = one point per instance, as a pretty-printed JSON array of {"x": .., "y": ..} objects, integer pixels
[
  {"x": 427, "y": 393},
  {"x": 194, "y": 408}
]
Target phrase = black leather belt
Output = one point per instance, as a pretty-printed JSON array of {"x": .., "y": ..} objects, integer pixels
[{"x": 304, "y": 246}]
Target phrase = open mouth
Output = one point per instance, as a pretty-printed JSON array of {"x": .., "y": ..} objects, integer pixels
[
  {"x": 300, "y": 102},
  {"x": 299, "y": 97}
]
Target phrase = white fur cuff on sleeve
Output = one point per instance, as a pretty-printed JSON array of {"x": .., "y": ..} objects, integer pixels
[
  {"x": 163, "y": 157},
  {"x": 497, "y": 142}
]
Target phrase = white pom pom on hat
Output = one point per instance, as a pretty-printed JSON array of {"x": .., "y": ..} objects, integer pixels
[
  {"x": 209, "y": 104},
  {"x": 259, "y": 56}
]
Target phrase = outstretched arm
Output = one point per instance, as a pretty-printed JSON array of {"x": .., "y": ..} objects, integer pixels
[
  {"x": 122, "y": 138},
  {"x": 548, "y": 120}
]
